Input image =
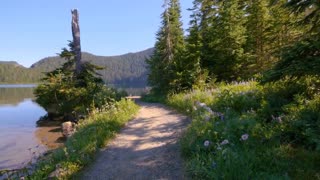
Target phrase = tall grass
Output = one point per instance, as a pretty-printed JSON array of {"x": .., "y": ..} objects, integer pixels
[
  {"x": 92, "y": 134},
  {"x": 248, "y": 131}
]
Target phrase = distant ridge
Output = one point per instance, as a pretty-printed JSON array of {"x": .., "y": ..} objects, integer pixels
[
  {"x": 127, "y": 70},
  {"x": 10, "y": 62}
]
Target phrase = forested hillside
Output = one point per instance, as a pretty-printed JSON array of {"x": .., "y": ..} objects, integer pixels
[
  {"x": 12, "y": 72},
  {"x": 123, "y": 70}
]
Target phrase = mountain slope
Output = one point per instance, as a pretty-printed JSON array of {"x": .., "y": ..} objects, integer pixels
[{"x": 124, "y": 70}]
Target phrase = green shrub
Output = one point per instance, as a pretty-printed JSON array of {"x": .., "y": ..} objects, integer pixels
[{"x": 64, "y": 91}]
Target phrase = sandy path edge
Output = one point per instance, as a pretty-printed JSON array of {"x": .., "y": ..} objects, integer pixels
[{"x": 146, "y": 148}]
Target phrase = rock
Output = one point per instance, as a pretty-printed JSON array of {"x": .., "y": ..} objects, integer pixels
[{"x": 68, "y": 128}]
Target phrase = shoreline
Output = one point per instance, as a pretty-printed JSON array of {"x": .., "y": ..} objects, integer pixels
[{"x": 80, "y": 149}]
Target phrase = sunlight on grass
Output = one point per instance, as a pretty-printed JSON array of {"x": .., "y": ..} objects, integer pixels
[{"x": 92, "y": 134}]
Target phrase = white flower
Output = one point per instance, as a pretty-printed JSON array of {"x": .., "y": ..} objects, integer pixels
[
  {"x": 195, "y": 108},
  {"x": 206, "y": 143},
  {"x": 244, "y": 137},
  {"x": 277, "y": 119},
  {"x": 199, "y": 104},
  {"x": 224, "y": 142},
  {"x": 202, "y": 105}
]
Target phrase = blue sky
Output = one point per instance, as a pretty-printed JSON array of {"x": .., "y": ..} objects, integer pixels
[{"x": 33, "y": 29}]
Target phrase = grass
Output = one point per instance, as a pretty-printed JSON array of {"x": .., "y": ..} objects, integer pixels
[
  {"x": 92, "y": 134},
  {"x": 281, "y": 122}
]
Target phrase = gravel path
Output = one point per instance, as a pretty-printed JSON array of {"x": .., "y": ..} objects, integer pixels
[{"x": 146, "y": 148}]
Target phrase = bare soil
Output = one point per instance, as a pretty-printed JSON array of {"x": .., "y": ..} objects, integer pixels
[{"x": 147, "y": 148}]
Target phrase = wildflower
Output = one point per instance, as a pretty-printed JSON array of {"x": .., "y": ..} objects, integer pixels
[
  {"x": 207, "y": 118},
  {"x": 207, "y": 109},
  {"x": 244, "y": 137},
  {"x": 222, "y": 117},
  {"x": 195, "y": 108},
  {"x": 277, "y": 119},
  {"x": 206, "y": 143},
  {"x": 203, "y": 105},
  {"x": 199, "y": 104},
  {"x": 214, "y": 164},
  {"x": 224, "y": 142}
]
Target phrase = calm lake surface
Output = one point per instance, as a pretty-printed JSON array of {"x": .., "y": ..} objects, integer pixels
[{"x": 20, "y": 138}]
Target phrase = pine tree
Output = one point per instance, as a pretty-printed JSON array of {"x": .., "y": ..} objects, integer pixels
[
  {"x": 167, "y": 63},
  {"x": 208, "y": 11},
  {"x": 283, "y": 29},
  {"x": 193, "y": 49},
  {"x": 311, "y": 11},
  {"x": 229, "y": 30},
  {"x": 257, "y": 45},
  {"x": 301, "y": 58}
]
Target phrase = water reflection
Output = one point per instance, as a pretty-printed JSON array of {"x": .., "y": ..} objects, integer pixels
[
  {"x": 20, "y": 138},
  {"x": 13, "y": 96}
]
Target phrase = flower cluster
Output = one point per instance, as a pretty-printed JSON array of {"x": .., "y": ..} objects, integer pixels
[
  {"x": 209, "y": 110},
  {"x": 277, "y": 119}
]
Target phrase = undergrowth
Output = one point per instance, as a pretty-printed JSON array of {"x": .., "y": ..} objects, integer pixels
[{"x": 251, "y": 131}]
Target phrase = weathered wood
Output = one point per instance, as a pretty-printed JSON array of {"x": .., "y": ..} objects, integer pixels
[{"x": 76, "y": 40}]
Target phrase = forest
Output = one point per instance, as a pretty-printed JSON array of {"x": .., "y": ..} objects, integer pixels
[
  {"x": 128, "y": 70},
  {"x": 247, "y": 74}
]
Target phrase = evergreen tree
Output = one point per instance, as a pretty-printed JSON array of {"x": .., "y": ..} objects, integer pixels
[
  {"x": 208, "y": 13},
  {"x": 167, "y": 63},
  {"x": 283, "y": 29},
  {"x": 301, "y": 58},
  {"x": 257, "y": 44},
  {"x": 193, "y": 49},
  {"x": 229, "y": 30},
  {"x": 311, "y": 11},
  {"x": 64, "y": 91}
]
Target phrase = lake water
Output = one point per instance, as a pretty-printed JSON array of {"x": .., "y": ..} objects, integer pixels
[{"x": 20, "y": 138}]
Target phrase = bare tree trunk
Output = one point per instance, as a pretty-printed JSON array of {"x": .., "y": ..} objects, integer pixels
[{"x": 76, "y": 40}]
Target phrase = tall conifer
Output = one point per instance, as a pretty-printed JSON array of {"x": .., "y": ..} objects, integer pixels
[
  {"x": 229, "y": 30},
  {"x": 166, "y": 63}
]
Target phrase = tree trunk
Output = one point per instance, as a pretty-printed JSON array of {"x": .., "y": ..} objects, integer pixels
[{"x": 76, "y": 40}]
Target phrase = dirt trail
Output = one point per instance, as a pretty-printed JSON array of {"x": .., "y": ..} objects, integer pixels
[{"x": 146, "y": 148}]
